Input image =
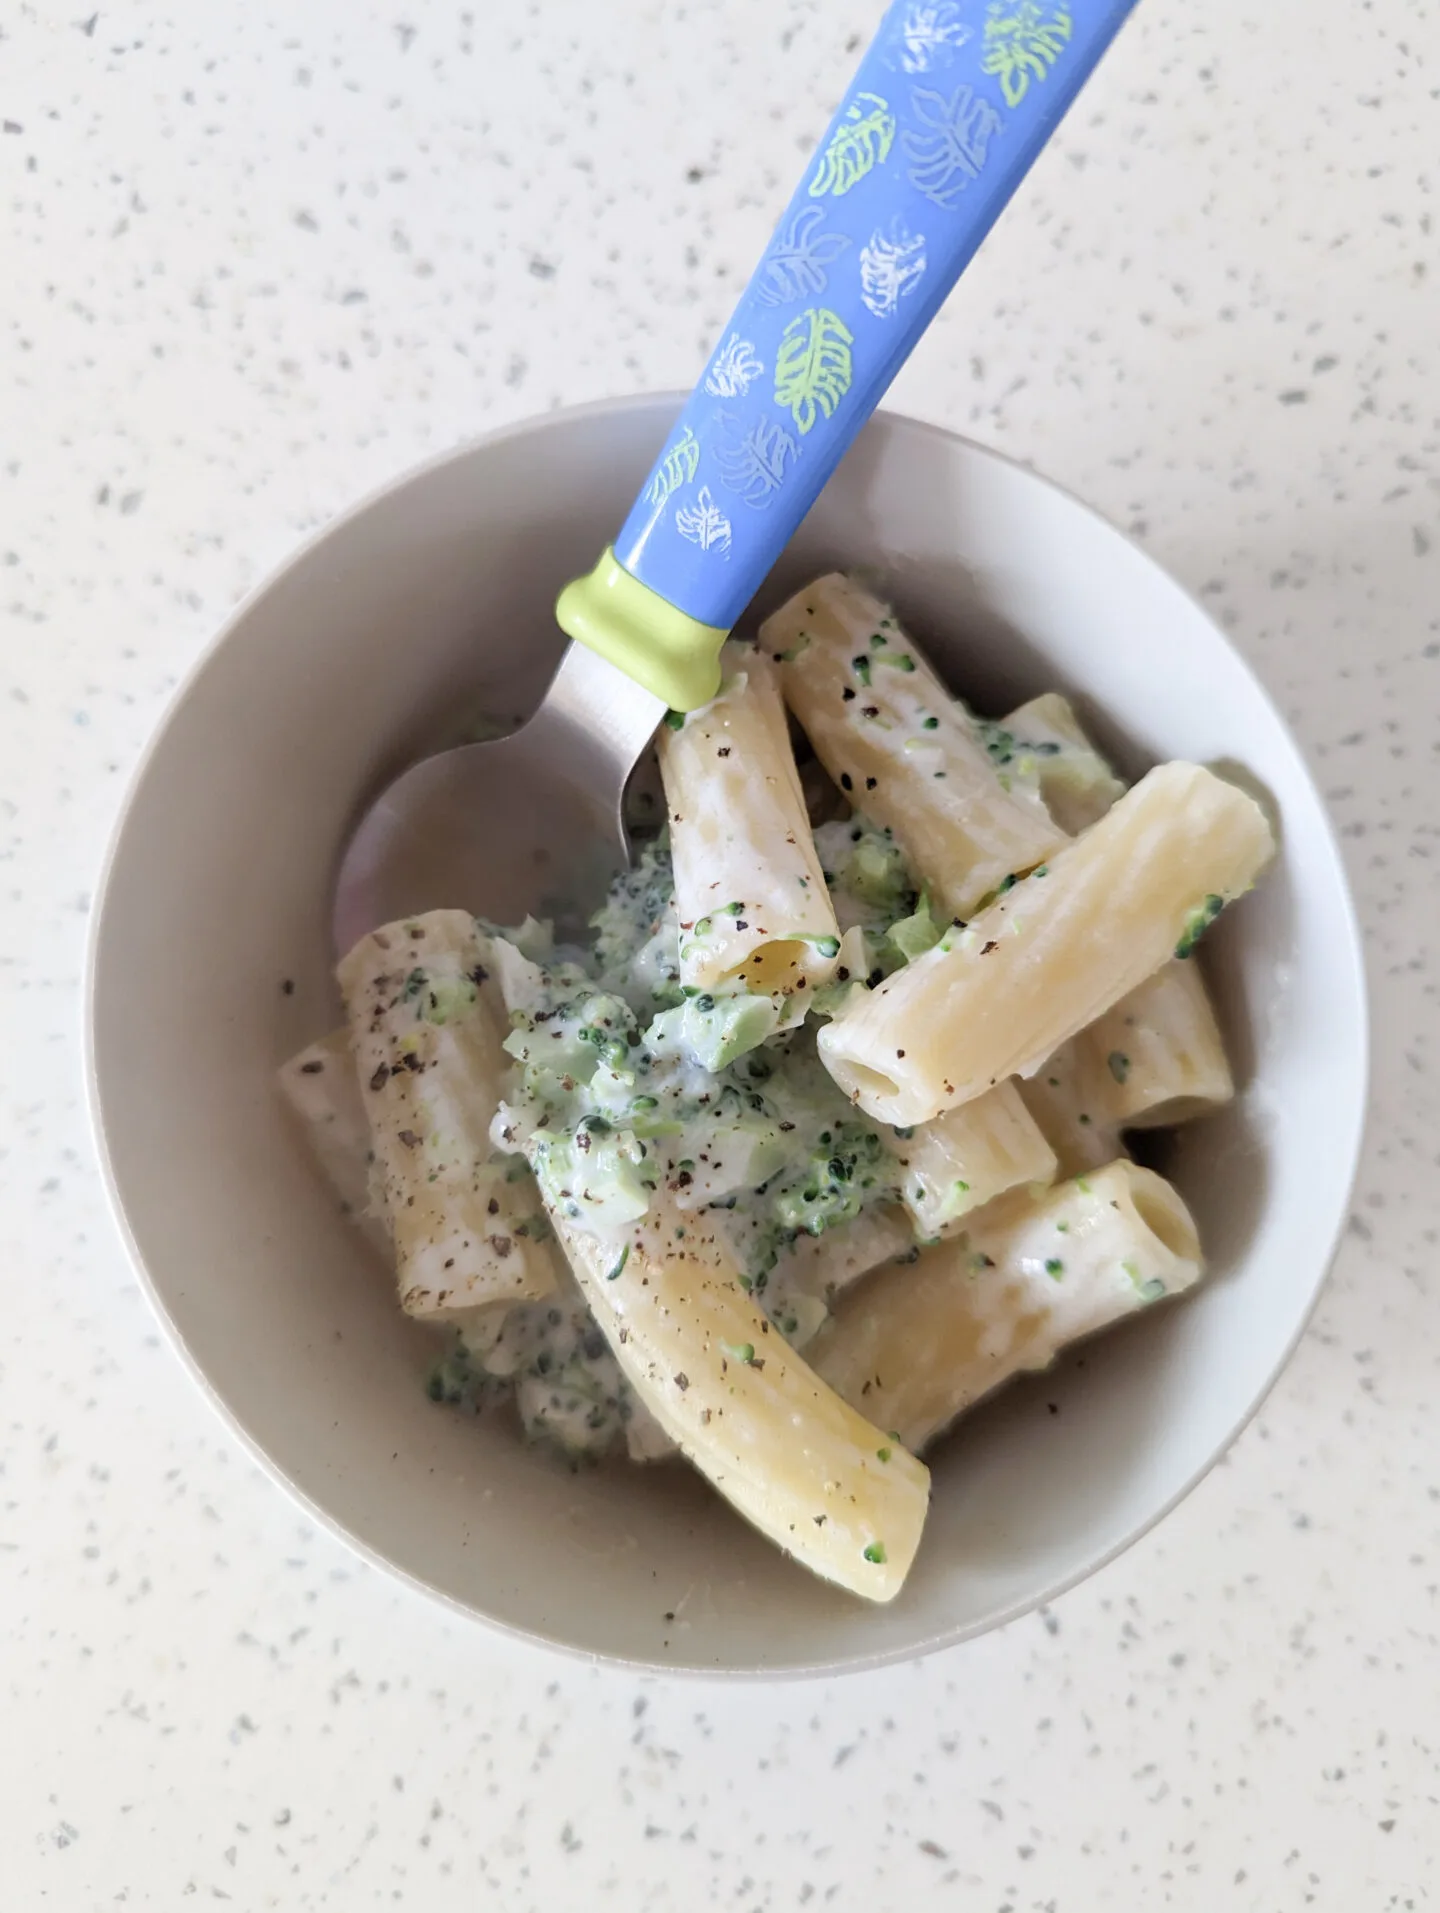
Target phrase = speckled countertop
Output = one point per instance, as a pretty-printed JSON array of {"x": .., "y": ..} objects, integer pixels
[{"x": 258, "y": 258}]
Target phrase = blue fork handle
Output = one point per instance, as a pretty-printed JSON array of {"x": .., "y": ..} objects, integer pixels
[{"x": 947, "y": 113}]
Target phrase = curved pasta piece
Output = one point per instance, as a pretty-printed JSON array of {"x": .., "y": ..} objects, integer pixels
[
  {"x": 429, "y": 1063},
  {"x": 809, "y": 1472},
  {"x": 900, "y": 748},
  {"x": 1052, "y": 954},
  {"x": 914, "y": 1347},
  {"x": 749, "y": 892}
]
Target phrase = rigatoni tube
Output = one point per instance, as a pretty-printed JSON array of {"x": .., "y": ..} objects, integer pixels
[
  {"x": 319, "y": 1085},
  {"x": 900, "y": 747},
  {"x": 914, "y": 1347},
  {"x": 1154, "y": 1059},
  {"x": 966, "y": 1157},
  {"x": 1075, "y": 782},
  {"x": 825, "y": 1265},
  {"x": 1157, "y": 1057},
  {"x": 1158, "y": 1053},
  {"x": 1054, "y": 953},
  {"x": 1070, "y": 1104},
  {"x": 809, "y": 1472},
  {"x": 466, "y": 1226},
  {"x": 749, "y": 893}
]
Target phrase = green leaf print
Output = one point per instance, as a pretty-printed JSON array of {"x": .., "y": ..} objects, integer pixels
[
  {"x": 861, "y": 141},
  {"x": 676, "y": 468},
  {"x": 1023, "y": 40},
  {"x": 812, "y": 368}
]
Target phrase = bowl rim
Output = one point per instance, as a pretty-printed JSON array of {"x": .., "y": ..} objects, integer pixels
[{"x": 1355, "y": 983}]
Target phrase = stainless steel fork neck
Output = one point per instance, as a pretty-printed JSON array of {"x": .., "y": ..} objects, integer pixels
[{"x": 592, "y": 699}]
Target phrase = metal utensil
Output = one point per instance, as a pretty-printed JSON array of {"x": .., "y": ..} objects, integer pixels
[
  {"x": 948, "y": 111},
  {"x": 509, "y": 827}
]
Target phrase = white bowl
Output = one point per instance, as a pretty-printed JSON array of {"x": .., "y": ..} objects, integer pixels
[{"x": 211, "y": 964}]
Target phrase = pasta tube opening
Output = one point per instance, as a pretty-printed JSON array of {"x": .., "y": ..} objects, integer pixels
[{"x": 1158, "y": 1209}]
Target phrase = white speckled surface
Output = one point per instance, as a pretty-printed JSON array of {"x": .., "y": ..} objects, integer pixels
[{"x": 258, "y": 258}]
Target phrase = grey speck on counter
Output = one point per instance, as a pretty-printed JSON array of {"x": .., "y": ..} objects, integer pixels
[{"x": 258, "y": 260}]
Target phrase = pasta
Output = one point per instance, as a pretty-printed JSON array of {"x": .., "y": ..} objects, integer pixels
[
  {"x": 645, "y": 1439},
  {"x": 429, "y": 1064},
  {"x": 963, "y": 1159},
  {"x": 1075, "y": 783},
  {"x": 913, "y": 1348},
  {"x": 817, "y": 1268},
  {"x": 1070, "y": 1106},
  {"x": 1054, "y": 952},
  {"x": 1158, "y": 1054},
  {"x": 899, "y": 746},
  {"x": 319, "y": 1085},
  {"x": 1157, "y": 1057},
  {"x": 752, "y": 903},
  {"x": 808, "y": 1471},
  {"x": 765, "y": 1175}
]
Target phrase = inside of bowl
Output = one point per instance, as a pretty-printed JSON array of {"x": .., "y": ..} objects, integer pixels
[{"x": 212, "y": 965}]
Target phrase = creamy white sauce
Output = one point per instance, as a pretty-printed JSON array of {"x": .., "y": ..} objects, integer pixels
[{"x": 611, "y": 1097}]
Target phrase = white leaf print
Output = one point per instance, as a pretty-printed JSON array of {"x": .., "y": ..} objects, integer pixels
[
  {"x": 794, "y": 266},
  {"x": 929, "y": 36},
  {"x": 890, "y": 266},
  {"x": 735, "y": 370},
  {"x": 952, "y": 142},
  {"x": 754, "y": 459},
  {"x": 704, "y": 524}
]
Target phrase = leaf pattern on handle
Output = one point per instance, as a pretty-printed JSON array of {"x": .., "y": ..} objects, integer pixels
[
  {"x": 945, "y": 113},
  {"x": 704, "y": 524},
  {"x": 754, "y": 458},
  {"x": 1022, "y": 42},
  {"x": 794, "y": 266},
  {"x": 859, "y": 143},
  {"x": 678, "y": 466},
  {"x": 950, "y": 151},
  {"x": 930, "y": 35},
  {"x": 813, "y": 368},
  {"x": 735, "y": 369},
  {"x": 890, "y": 266}
]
